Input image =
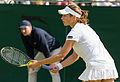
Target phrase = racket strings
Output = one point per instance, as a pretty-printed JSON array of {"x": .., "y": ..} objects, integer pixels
[{"x": 14, "y": 56}]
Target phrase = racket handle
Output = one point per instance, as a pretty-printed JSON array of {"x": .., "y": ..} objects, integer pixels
[{"x": 46, "y": 67}]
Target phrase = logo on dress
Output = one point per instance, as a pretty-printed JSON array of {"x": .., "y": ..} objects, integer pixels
[{"x": 70, "y": 37}]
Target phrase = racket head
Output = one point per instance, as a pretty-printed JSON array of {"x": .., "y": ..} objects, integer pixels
[{"x": 14, "y": 56}]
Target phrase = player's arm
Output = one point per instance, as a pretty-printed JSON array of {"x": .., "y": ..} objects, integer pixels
[
  {"x": 58, "y": 57},
  {"x": 70, "y": 60}
]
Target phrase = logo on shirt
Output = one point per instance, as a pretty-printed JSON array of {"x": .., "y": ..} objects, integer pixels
[{"x": 70, "y": 37}]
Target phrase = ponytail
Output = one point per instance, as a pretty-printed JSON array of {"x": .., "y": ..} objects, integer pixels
[{"x": 83, "y": 18}]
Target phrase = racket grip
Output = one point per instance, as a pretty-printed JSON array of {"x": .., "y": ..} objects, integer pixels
[{"x": 46, "y": 67}]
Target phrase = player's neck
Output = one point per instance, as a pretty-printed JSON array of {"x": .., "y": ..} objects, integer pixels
[{"x": 73, "y": 24}]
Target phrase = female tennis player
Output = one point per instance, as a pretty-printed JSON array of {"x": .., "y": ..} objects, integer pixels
[{"x": 100, "y": 66}]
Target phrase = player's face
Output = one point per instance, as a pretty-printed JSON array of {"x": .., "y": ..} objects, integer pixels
[
  {"x": 67, "y": 19},
  {"x": 26, "y": 31}
]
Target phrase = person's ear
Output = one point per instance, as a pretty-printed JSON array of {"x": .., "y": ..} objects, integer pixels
[{"x": 74, "y": 17}]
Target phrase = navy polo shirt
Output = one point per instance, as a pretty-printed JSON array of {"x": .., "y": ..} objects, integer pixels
[{"x": 41, "y": 41}]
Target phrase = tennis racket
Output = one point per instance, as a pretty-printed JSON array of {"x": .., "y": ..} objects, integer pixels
[{"x": 17, "y": 58}]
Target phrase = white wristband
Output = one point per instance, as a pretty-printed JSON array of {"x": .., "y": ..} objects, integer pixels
[{"x": 59, "y": 65}]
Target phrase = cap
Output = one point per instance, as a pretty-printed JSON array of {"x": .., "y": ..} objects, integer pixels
[
  {"x": 68, "y": 10},
  {"x": 24, "y": 24}
]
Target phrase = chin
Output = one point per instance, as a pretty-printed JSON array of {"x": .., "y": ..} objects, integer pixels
[
  {"x": 25, "y": 34},
  {"x": 65, "y": 25}
]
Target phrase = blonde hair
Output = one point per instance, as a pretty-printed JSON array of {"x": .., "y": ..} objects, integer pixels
[{"x": 84, "y": 13}]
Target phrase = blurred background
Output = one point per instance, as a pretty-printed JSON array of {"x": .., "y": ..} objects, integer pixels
[
  {"x": 64, "y": 2},
  {"x": 104, "y": 18}
]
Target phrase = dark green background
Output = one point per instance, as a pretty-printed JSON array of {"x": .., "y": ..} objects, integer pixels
[{"x": 104, "y": 20}]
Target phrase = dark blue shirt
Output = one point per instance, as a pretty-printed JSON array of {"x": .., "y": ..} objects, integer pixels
[{"x": 41, "y": 41}]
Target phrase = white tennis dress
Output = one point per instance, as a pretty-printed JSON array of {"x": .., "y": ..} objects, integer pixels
[{"x": 99, "y": 63}]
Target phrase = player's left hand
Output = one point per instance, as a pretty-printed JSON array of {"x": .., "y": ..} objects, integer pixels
[
  {"x": 55, "y": 68},
  {"x": 34, "y": 64}
]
